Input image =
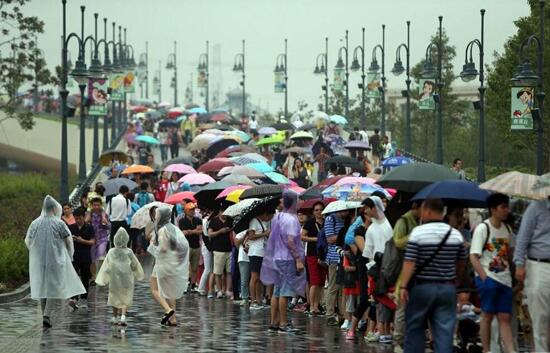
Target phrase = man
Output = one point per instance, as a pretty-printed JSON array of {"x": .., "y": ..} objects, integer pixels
[
  {"x": 321, "y": 159},
  {"x": 258, "y": 232},
  {"x": 151, "y": 162},
  {"x": 489, "y": 255},
  {"x": 83, "y": 238},
  {"x": 118, "y": 209},
  {"x": 532, "y": 259},
  {"x": 434, "y": 253},
  {"x": 220, "y": 243},
  {"x": 143, "y": 197},
  {"x": 374, "y": 142},
  {"x": 191, "y": 227},
  {"x": 457, "y": 167},
  {"x": 253, "y": 125}
]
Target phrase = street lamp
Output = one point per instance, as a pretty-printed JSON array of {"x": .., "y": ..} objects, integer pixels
[
  {"x": 373, "y": 70},
  {"x": 343, "y": 67},
  {"x": 203, "y": 68},
  {"x": 355, "y": 66},
  {"x": 322, "y": 68},
  {"x": 397, "y": 70},
  {"x": 107, "y": 69},
  {"x": 157, "y": 83},
  {"x": 172, "y": 64},
  {"x": 469, "y": 73},
  {"x": 115, "y": 68},
  {"x": 281, "y": 66},
  {"x": 143, "y": 69},
  {"x": 525, "y": 76},
  {"x": 238, "y": 66}
]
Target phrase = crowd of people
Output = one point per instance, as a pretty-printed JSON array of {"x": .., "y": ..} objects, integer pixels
[{"x": 433, "y": 269}]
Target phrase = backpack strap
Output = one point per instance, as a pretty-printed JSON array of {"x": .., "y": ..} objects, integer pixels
[
  {"x": 434, "y": 254},
  {"x": 486, "y": 238}
]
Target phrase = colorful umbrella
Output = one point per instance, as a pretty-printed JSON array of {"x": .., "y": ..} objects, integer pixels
[
  {"x": 218, "y": 146},
  {"x": 147, "y": 139},
  {"x": 234, "y": 196},
  {"x": 271, "y": 140},
  {"x": 137, "y": 169},
  {"x": 108, "y": 157},
  {"x": 456, "y": 192},
  {"x": 235, "y": 149},
  {"x": 173, "y": 114},
  {"x": 341, "y": 206},
  {"x": 240, "y": 134},
  {"x": 203, "y": 141},
  {"x": 215, "y": 165},
  {"x": 301, "y": 135},
  {"x": 338, "y": 119},
  {"x": 197, "y": 110},
  {"x": 196, "y": 179},
  {"x": 256, "y": 156},
  {"x": 355, "y": 180},
  {"x": 261, "y": 167},
  {"x": 232, "y": 188},
  {"x": 141, "y": 218},
  {"x": 139, "y": 109},
  {"x": 221, "y": 116},
  {"x": 177, "y": 198},
  {"x": 180, "y": 168},
  {"x": 396, "y": 161},
  {"x": 356, "y": 192},
  {"x": 519, "y": 185}
]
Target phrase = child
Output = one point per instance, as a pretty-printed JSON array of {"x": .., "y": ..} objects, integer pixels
[
  {"x": 102, "y": 228},
  {"x": 119, "y": 270},
  {"x": 351, "y": 289}
]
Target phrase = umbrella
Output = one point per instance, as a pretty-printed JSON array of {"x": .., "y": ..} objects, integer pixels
[
  {"x": 154, "y": 114},
  {"x": 261, "y": 167},
  {"x": 315, "y": 191},
  {"x": 221, "y": 116},
  {"x": 415, "y": 176},
  {"x": 518, "y": 184},
  {"x": 320, "y": 115},
  {"x": 358, "y": 145},
  {"x": 141, "y": 218},
  {"x": 182, "y": 160},
  {"x": 234, "y": 196},
  {"x": 456, "y": 192},
  {"x": 306, "y": 127},
  {"x": 277, "y": 178},
  {"x": 256, "y": 156},
  {"x": 138, "y": 169},
  {"x": 242, "y": 220},
  {"x": 169, "y": 123},
  {"x": 232, "y": 188},
  {"x": 219, "y": 146},
  {"x": 196, "y": 179},
  {"x": 355, "y": 180},
  {"x": 343, "y": 161},
  {"x": 263, "y": 191},
  {"x": 297, "y": 189},
  {"x": 267, "y": 130},
  {"x": 109, "y": 156},
  {"x": 237, "y": 209},
  {"x": 301, "y": 135},
  {"x": 341, "y": 206},
  {"x": 139, "y": 109},
  {"x": 244, "y": 160},
  {"x": 113, "y": 185},
  {"x": 203, "y": 141},
  {"x": 352, "y": 191},
  {"x": 215, "y": 165},
  {"x": 197, "y": 110},
  {"x": 298, "y": 150},
  {"x": 240, "y": 134},
  {"x": 206, "y": 196},
  {"x": 180, "y": 168},
  {"x": 396, "y": 161},
  {"x": 283, "y": 126},
  {"x": 173, "y": 114},
  {"x": 308, "y": 204},
  {"x": 238, "y": 179},
  {"x": 178, "y": 197},
  {"x": 213, "y": 132},
  {"x": 271, "y": 140},
  {"x": 338, "y": 119},
  {"x": 241, "y": 170},
  {"x": 147, "y": 139},
  {"x": 164, "y": 104},
  {"x": 234, "y": 149}
]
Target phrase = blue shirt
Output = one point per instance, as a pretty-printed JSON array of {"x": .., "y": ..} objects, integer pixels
[
  {"x": 350, "y": 234},
  {"x": 333, "y": 225},
  {"x": 533, "y": 239}
]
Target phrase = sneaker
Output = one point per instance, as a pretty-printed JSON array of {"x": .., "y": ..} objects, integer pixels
[
  {"x": 346, "y": 325},
  {"x": 72, "y": 305},
  {"x": 372, "y": 337},
  {"x": 385, "y": 339},
  {"x": 273, "y": 329},
  {"x": 210, "y": 295},
  {"x": 46, "y": 323},
  {"x": 220, "y": 295},
  {"x": 202, "y": 293},
  {"x": 113, "y": 320},
  {"x": 362, "y": 327},
  {"x": 350, "y": 335},
  {"x": 122, "y": 321},
  {"x": 288, "y": 329},
  {"x": 300, "y": 308},
  {"x": 244, "y": 302},
  {"x": 229, "y": 295},
  {"x": 256, "y": 306},
  {"x": 83, "y": 303},
  {"x": 332, "y": 321}
]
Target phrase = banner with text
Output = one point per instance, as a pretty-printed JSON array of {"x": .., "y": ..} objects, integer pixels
[
  {"x": 97, "y": 96},
  {"x": 522, "y": 104}
]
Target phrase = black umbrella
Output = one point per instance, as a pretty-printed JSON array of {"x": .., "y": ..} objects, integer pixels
[
  {"x": 283, "y": 126},
  {"x": 415, "y": 176},
  {"x": 219, "y": 146},
  {"x": 311, "y": 193},
  {"x": 169, "y": 123},
  {"x": 306, "y": 127},
  {"x": 242, "y": 221},
  {"x": 206, "y": 196},
  {"x": 264, "y": 190},
  {"x": 343, "y": 161}
]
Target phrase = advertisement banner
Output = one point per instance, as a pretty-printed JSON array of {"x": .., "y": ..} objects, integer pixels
[
  {"x": 522, "y": 103},
  {"x": 279, "y": 81},
  {"x": 97, "y": 96},
  {"x": 339, "y": 78},
  {"x": 116, "y": 84},
  {"x": 373, "y": 83},
  {"x": 201, "y": 78},
  {"x": 426, "y": 89},
  {"x": 129, "y": 82}
]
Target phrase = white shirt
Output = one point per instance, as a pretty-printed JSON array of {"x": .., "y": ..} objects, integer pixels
[
  {"x": 257, "y": 247},
  {"x": 253, "y": 124},
  {"x": 118, "y": 208},
  {"x": 378, "y": 233},
  {"x": 243, "y": 256}
]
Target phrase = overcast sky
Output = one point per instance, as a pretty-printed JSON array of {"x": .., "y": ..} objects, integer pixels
[{"x": 265, "y": 23}]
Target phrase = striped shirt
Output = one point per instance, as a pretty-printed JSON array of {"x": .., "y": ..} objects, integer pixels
[
  {"x": 424, "y": 241},
  {"x": 333, "y": 225}
]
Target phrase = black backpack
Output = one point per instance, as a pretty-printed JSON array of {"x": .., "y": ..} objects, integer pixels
[{"x": 392, "y": 262}]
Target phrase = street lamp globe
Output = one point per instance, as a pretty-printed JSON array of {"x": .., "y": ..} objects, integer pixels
[
  {"x": 355, "y": 66},
  {"x": 340, "y": 63},
  {"x": 96, "y": 69},
  {"x": 374, "y": 67},
  {"x": 469, "y": 72},
  {"x": 79, "y": 73},
  {"x": 428, "y": 71},
  {"x": 398, "y": 68},
  {"x": 526, "y": 76},
  {"x": 317, "y": 70}
]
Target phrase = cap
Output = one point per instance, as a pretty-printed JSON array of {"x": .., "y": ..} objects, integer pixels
[{"x": 190, "y": 206}]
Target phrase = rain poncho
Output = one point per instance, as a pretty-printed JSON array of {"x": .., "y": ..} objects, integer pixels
[
  {"x": 171, "y": 251},
  {"x": 378, "y": 233},
  {"x": 119, "y": 270},
  {"x": 50, "y": 245},
  {"x": 284, "y": 244}
]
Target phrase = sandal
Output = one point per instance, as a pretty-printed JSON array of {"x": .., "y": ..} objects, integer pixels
[
  {"x": 174, "y": 324},
  {"x": 167, "y": 317}
]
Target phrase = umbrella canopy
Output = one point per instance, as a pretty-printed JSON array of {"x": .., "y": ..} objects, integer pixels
[
  {"x": 338, "y": 119},
  {"x": 357, "y": 145},
  {"x": 298, "y": 150},
  {"x": 306, "y": 127},
  {"x": 319, "y": 115},
  {"x": 237, "y": 209},
  {"x": 141, "y": 218},
  {"x": 315, "y": 191},
  {"x": 341, "y": 206},
  {"x": 113, "y": 185},
  {"x": 241, "y": 170},
  {"x": 197, "y": 110},
  {"x": 343, "y": 161},
  {"x": 277, "y": 178},
  {"x": 169, "y": 123},
  {"x": 242, "y": 220},
  {"x": 243, "y": 136},
  {"x": 283, "y": 126},
  {"x": 261, "y": 167},
  {"x": 263, "y": 191},
  {"x": 396, "y": 161},
  {"x": 456, "y": 192},
  {"x": 164, "y": 104},
  {"x": 268, "y": 130},
  {"x": 174, "y": 114},
  {"x": 234, "y": 196},
  {"x": 215, "y": 165},
  {"x": 110, "y": 156},
  {"x": 182, "y": 160},
  {"x": 178, "y": 197},
  {"x": 147, "y": 139},
  {"x": 255, "y": 156},
  {"x": 238, "y": 179},
  {"x": 235, "y": 149},
  {"x": 415, "y": 176},
  {"x": 355, "y": 180},
  {"x": 180, "y": 168},
  {"x": 232, "y": 188},
  {"x": 138, "y": 169},
  {"x": 244, "y": 160},
  {"x": 203, "y": 141},
  {"x": 271, "y": 140},
  {"x": 221, "y": 116},
  {"x": 518, "y": 184},
  {"x": 352, "y": 192},
  {"x": 139, "y": 109},
  {"x": 301, "y": 135},
  {"x": 218, "y": 146},
  {"x": 206, "y": 196},
  {"x": 196, "y": 179},
  {"x": 307, "y": 205}
]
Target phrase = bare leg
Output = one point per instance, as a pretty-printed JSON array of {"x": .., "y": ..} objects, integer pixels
[
  {"x": 485, "y": 331},
  {"x": 255, "y": 292},
  {"x": 219, "y": 282},
  {"x": 93, "y": 270},
  {"x": 211, "y": 288},
  {"x": 172, "y": 304},
  {"x": 274, "y": 313},
  {"x": 283, "y": 319},
  {"x": 156, "y": 294},
  {"x": 505, "y": 328}
]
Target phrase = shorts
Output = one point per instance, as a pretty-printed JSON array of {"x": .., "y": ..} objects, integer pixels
[
  {"x": 494, "y": 296},
  {"x": 287, "y": 269},
  {"x": 317, "y": 273},
  {"x": 194, "y": 258},
  {"x": 222, "y": 261},
  {"x": 283, "y": 291},
  {"x": 384, "y": 314},
  {"x": 372, "y": 311},
  {"x": 256, "y": 263}
]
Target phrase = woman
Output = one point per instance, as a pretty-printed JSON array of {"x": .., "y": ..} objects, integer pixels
[
  {"x": 173, "y": 185},
  {"x": 67, "y": 216},
  {"x": 300, "y": 174},
  {"x": 52, "y": 276},
  {"x": 162, "y": 187},
  {"x": 317, "y": 273},
  {"x": 171, "y": 271},
  {"x": 102, "y": 227},
  {"x": 163, "y": 138},
  {"x": 207, "y": 277}
]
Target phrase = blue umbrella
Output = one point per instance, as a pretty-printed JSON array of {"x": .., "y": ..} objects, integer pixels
[
  {"x": 197, "y": 110},
  {"x": 147, "y": 139},
  {"x": 338, "y": 119},
  {"x": 396, "y": 161},
  {"x": 277, "y": 177},
  {"x": 261, "y": 167},
  {"x": 181, "y": 118},
  {"x": 457, "y": 192}
]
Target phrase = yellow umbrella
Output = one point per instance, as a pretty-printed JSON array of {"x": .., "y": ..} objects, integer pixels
[
  {"x": 138, "y": 169},
  {"x": 234, "y": 195}
]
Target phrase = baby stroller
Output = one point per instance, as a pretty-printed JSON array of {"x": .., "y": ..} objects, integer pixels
[{"x": 468, "y": 336}]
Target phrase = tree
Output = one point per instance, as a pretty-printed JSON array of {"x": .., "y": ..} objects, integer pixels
[{"x": 24, "y": 64}]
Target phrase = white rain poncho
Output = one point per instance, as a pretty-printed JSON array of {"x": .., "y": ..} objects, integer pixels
[
  {"x": 171, "y": 251},
  {"x": 119, "y": 270},
  {"x": 50, "y": 245}
]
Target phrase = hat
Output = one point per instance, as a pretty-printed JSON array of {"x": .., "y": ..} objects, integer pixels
[{"x": 190, "y": 206}]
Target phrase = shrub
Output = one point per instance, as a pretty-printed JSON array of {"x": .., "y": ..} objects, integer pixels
[{"x": 14, "y": 262}]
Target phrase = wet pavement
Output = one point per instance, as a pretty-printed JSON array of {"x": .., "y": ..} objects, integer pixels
[{"x": 205, "y": 325}]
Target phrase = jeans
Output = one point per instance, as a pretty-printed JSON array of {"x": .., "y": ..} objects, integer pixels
[
  {"x": 82, "y": 268},
  {"x": 434, "y": 303},
  {"x": 244, "y": 268},
  {"x": 174, "y": 150}
]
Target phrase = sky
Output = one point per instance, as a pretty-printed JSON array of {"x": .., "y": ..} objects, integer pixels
[{"x": 264, "y": 24}]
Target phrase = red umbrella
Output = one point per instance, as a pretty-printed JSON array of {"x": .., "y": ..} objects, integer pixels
[
  {"x": 232, "y": 149},
  {"x": 315, "y": 191},
  {"x": 139, "y": 109},
  {"x": 174, "y": 114},
  {"x": 180, "y": 196},
  {"x": 215, "y": 165},
  {"x": 307, "y": 205},
  {"x": 220, "y": 116}
]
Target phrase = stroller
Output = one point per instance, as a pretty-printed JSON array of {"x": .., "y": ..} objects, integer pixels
[{"x": 468, "y": 336}]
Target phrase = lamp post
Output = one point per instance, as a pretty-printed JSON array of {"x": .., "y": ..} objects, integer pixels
[
  {"x": 172, "y": 64},
  {"x": 356, "y": 66},
  {"x": 106, "y": 68},
  {"x": 146, "y": 70},
  {"x": 281, "y": 66},
  {"x": 527, "y": 77},
  {"x": 469, "y": 73},
  {"x": 82, "y": 82},
  {"x": 322, "y": 68},
  {"x": 373, "y": 69},
  {"x": 203, "y": 66},
  {"x": 341, "y": 66},
  {"x": 115, "y": 68},
  {"x": 130, "y": 65},
  {"x": 157, "y": 83},
  {"x": 397, "y": 70},
  {"x": 238, "y": 66}
]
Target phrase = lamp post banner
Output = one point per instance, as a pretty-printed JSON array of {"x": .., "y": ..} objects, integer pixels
[
  {"x": 279, "y": 81},
  {"x": 116, "y": 84},
  {"x": 201, "y": 78},
  {"x": 97, "y": 95},
  {"x": 522, "y": 103},
  {"x": 426, "y": 89},
  {"x": 339, "y": 78},
  {"x": 373, "y": 83},
  {"x": 129, "y": 82}
]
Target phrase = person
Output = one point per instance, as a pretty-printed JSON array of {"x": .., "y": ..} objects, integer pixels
[
  {"x": 162, "y": 187},
  {"x": 253, "y": 125},
  {"x": 288, "y": 165},
  {"x": 83, "y": 238},
  {"x": 356, "y": 135},
  {"x": 300, "y": 173},
  {"x": 68, "y": 216},
  {"x": 120, "y": 269},
  {"x": 532, "y": 260},
  {"x": 133, "y": 232},
  {"x": 173, "y": 185},
  {"x": 258, "y": 233},
  {"x": 100, "y": 222},
  {"x": 188, "y": 127},
  {"x": 169, "y": 277},
  {"x": 118, "y": 209},
  {"x": 143, "y": 197},
  {"x": 207, "y": 277},
  {"x": 435, "y": 253},
  {"x": 489, "y": 254},
  {"x": 219, "y": 234},
  {"x": 151, "y": 162},
  {"x": 163, "y": 139},
  {"x": 317, "y": 273},
  {"x": 52, "y": 277},
  {"x": 374, "y": 142},
  {"x": 457, "y": 167},
  {"x": 283, "y": 264},
  {"x": 321, "y": 159},
  {"x": 351, "y": 287},
  {"x": 191, "y": 227},
  {"x": 99, "y": 192},
  {"x": 244, "y": 267},
  {"x": 174, "y": 137}
]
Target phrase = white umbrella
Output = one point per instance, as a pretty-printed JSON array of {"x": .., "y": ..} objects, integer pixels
[
  {"x": 320, "y": 115},
  {"x": 241, "y": 170},
  {"x": 255, "y": 156},
  {"x": 237, "y": 179},
  {"x": 340, "y": 205},
  {"x": 141, "y": 218},
  {"x": 238, "y": 208},
  {"x": 203, "y": 141}
]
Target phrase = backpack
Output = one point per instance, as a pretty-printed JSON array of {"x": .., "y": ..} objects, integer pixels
[
  {"x": 392, "y": 261},
  {"x": 143, "y": 198}
]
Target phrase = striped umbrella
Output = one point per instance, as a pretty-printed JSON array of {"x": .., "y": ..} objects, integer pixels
[{"x": 519, "y": 185}]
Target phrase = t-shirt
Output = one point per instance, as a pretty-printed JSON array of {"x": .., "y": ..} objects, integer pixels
[
  {"x": 333, "y": 225},
  {"x": 82, "y": 251},
  {"x": 495, "y": 253},
  {"x": 378, "y": 233},
  {"x": 222, "y": 242},
  {"x": 257, "y": 247},
  {"x": 186, "y": 224},
  {"x": 253, "y": 124},
  {"x": 243, "y": 256},
  {"x": 312, "y": 228}
]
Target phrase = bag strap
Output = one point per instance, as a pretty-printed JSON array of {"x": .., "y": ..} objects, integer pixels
[
  {"x": 428, "y": 261},
  {"x": 488, "y": 236}
]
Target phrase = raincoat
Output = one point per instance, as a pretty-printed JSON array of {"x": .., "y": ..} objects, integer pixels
[
  {"x": 119, "y": 270},
  {"x": 50, "y": 245},
  {"x": 171, "y": 251}
]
